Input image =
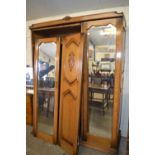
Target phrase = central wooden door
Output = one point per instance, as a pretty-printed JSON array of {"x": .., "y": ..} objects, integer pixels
[{"x": 70, "y": 91}]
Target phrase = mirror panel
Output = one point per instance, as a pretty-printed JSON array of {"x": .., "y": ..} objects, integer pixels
[
  {"x": 46, "y": 86},
  {"x": 101, "y": 51}
]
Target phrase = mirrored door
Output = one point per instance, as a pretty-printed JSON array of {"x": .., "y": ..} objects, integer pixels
[
  {"x": 46, "y": 88},
  {"x": 101, "y": 96},
  {"x": 101, "y": 74}
]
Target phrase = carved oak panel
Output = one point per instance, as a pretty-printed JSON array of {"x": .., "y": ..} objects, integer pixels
[{"x": 71, "y": 74}]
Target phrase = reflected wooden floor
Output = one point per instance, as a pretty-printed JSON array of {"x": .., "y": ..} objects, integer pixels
[
  {"x": 45, "y": 123},
  {"x": 100, "y": 122}
]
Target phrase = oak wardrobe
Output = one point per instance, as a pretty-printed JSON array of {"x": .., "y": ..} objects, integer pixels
[{"x": 78, "y": 73}]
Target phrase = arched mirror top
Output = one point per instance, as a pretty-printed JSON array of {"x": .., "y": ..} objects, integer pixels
[
  {"x": 48, "y": 48},
  {"x": 101, "y": 52},
  {"x": 46, "y": 85},
  {"x": 114, "y": 22},
  {"x": 101, "y": 36}
]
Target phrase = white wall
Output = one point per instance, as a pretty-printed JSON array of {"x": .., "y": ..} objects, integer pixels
[{"x": 125, "y": 97}]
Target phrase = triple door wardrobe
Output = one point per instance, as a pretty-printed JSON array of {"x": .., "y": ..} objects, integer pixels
[{"x": 78, "y": 73}]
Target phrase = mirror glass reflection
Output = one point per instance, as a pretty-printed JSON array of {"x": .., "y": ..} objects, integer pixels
[
  {"x": 101, "y": 69},
  {"x": 46, "y": 87}
]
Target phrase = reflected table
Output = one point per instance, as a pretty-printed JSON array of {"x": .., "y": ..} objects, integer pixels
[
  {"x": 46, "y": 93},
  {"x": 93, "y": 88}
]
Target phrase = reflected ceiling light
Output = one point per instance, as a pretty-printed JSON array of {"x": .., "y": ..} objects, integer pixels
[
  {"x": 109, "y": 31},
  {"x": 88, "y": 33},
  {"x": 118, "y": 55},
  {"x": 102, "y": 32}
]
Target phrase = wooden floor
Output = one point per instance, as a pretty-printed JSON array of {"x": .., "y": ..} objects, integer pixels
[{"x": 35, "y": 146}]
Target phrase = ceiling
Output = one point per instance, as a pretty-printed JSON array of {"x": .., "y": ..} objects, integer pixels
[
  {"x": 102, "y": 38},
  {"x": 48, "y": 49},
  {"x": 45, "y": 8},
  {"x": 102, "y": 35}
]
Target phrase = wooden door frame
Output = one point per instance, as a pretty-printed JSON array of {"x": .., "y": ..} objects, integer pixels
[
  {"x": 39, "y": 134},
  {"x": 110, "y": 144}
]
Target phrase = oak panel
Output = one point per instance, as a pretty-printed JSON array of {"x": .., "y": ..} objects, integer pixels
[
  {"x": 70, "y": 93},
  {"x": 29, "y": 109}
]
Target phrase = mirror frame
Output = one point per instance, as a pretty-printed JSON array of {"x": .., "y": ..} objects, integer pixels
[
  {"x": 50, "y": 138},
  {"x": 88, "y": 139}
]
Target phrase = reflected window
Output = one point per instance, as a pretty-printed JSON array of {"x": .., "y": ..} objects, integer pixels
[{"x": 29, "y": 76}]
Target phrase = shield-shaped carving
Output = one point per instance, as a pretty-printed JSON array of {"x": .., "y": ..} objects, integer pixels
[{"x": 71, "y": 61}]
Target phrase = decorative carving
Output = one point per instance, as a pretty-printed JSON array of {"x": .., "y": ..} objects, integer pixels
[
  {"x": 67, "y": 18},
  {"x": 70, "y": 81},
  {"x": 70, "y": 93},
  {"x": 72, "y": 41},
  {"x": 71, "y": 61}
]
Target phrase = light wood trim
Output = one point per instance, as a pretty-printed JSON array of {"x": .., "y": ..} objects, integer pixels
[
  {"x": 84, "y": 105},
  {"x": 98, "y": 140},
  {"x": 45, "y": 137},
  {"x": 56, "y": 95},
  {"x": 35, "y": 96},
  {"x": 57, "y": 27},
  {"x": 35, "y": 101},
  {"x": 29, "y": 109},
  {"x": 98, "y": 143},
  {"x": 72, "y": 20},
  {"x": 117, "y": 85},
  {"x": 103, "y": 149}
]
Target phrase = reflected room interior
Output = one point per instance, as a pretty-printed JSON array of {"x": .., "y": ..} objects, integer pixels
[
  {"x": 101, "y": 71},
  {"x": 46, "y": 84}
]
